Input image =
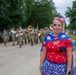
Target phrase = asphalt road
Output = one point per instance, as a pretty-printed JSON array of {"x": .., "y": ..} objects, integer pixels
[{"x": 19, "y": 61}]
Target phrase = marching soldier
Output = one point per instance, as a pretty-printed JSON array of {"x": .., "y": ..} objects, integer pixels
[
  {"x": 17, "y": 34},
  {"x": 20, "y": 37},
  {"x": 4, "y": 37},
  {"x": 39, "y": 35},
  {"x": 25, "y": 36},
  {"x": 43, "y": 33},
  {"x": 36, "y": 36},
  {"x": 32, "y": 37},
  {"x": 13, "y": 36},
  {"x": 47, "y": 30}
]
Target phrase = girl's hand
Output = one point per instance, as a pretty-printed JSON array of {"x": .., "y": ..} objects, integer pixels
[
  {"x": 40, "y": 70},
  {"x": 68, "y": 74}
]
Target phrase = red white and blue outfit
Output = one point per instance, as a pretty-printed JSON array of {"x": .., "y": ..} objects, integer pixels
[{"x": 55, "y": 62}]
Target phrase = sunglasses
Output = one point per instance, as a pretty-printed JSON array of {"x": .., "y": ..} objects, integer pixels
[{"x": 57, "y": 25}]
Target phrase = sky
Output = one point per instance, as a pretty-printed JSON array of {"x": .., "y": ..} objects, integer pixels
[{"x": 61, "y": 6}]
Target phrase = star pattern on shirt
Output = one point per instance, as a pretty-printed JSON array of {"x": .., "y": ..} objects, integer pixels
[
  {"x": 48, "y": 38},
  {"x": 63, "y": 36}
]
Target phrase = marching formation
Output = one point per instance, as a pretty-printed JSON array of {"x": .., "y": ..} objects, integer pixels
[{"x": 25, "y": 36}]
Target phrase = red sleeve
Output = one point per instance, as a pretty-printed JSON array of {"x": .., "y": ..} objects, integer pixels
[
  {"x": 68, "y": 43},
  {"x": 45, "y": 44}
]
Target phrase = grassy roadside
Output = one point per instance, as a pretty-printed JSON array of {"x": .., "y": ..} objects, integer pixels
[
  {"x": 75, "y": 48},
  {"x": 74, "y": 38},
  {"x": 1, "y": 42}
]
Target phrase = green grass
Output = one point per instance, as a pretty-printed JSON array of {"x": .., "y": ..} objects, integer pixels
[
  {"x": 1, "y": 42},
  {"x": 75, "y": 48},
  {"x": 72, "y": 36}
]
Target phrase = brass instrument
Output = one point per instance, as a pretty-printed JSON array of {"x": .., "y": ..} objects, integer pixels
[
  {"x": 30, "y": 27},
  {"x": 39, "y": 34},
  {"x": 51, "y": 27}
]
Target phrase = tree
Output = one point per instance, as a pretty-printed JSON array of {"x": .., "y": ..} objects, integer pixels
[
  {"x": 15, "y": 13},
  {"x": 71, "y": 14},
  {"x": 41, "y": 12}
]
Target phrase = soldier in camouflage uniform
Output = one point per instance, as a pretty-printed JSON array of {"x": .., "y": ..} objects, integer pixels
[
  {"x": 17, "y": 34},
  {"x": 25, "y": 36},
  {"x": 20, "y": 40},
  {"x": 13, "y": 36},
  {"x": 20, "y": 37},
  {"x": 5, "y": 37},
  {"x": 32, "y": 37},
  {"x": 36, "y": 36},
  {"x": 39, "y": 35},
  {"x": 47, "y": 30},
  {"x": 28, "y": 35}
]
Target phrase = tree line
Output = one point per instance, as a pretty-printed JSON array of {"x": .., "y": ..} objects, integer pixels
[{"x": 16, "y": 13}]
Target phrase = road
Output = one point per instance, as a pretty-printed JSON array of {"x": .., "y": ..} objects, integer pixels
[{"x": 19, "y": 61}]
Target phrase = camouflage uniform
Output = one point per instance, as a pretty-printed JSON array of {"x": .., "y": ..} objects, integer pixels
[
  {"x": 36, "y": 36},
  {"x": 25, "y": 37},
  {"x": 28, "y": 36},
  {"x": 4, "y": 37},
  {"x": 20, "y": 38},
  {"x": 13, "y": 36},
  {"x": 39, "y": 35},
  {"x": 32, "y": 37},
  {"x": 17, "y": 34}
]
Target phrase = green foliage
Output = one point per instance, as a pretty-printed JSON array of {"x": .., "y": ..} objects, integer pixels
[
  {"x": 15, "y": 13},
  {"x": 71, "y": 14},
  {"x": 9, "y": 15}
]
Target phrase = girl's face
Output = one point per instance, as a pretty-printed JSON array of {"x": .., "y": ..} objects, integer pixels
[{"x": 57, "y": 27}]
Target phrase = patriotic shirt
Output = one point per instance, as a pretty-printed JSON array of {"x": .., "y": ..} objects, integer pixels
[{"x": 57, "y": 52}]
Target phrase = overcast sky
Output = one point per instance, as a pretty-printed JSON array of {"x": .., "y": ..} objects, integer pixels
[{"x": 62, "y": 6}]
